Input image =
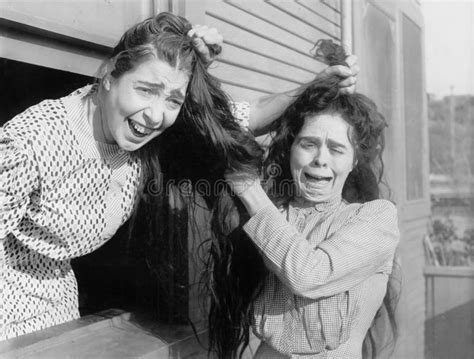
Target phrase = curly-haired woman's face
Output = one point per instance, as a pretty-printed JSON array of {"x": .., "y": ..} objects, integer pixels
[{"x": 321, "y": 158}]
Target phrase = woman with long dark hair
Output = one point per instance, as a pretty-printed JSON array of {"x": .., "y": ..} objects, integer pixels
[
  {"x": 309, "y": 272},
  {"x": 73, "y": 170}
]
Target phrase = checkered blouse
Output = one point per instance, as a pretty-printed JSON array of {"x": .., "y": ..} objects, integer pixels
[{"x": 329, "y": 269}]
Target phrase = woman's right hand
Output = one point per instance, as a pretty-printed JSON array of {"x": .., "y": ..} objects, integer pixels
[{"x": 207, "y": 41}]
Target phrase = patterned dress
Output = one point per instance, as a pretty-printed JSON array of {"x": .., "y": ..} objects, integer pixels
[
  {"x": 62, "y": 195},
  {"x": 329, "y": 266}
]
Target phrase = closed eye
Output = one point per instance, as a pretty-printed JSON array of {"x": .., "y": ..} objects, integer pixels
[
  {"x": 146, "y": 91},
  {"x": 175, "y": 103},
  {"x": 308, "y": 144},
  {"x": 337, "y": 150}
]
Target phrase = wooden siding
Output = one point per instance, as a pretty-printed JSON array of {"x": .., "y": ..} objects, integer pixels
[
  {"x": 267, "y": 43},
  {"x": 382, "y": 58},
  {"x": 70, "y": 36},
  {"x": 413, "y": 92}
]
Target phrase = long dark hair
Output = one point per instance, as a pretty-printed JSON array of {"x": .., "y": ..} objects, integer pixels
[
  {"x": 233, "y": 295},
  {"x": 205, "y": 140},
  {"x": 188, "y": 162}
]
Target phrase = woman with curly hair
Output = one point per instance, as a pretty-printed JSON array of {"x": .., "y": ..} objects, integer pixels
[
  {"x": 73, "y": 170},
  {"x": 309, "y": 272}
]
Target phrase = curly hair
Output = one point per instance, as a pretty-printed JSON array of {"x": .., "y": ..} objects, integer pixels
[{"x": 322, "y": 96}]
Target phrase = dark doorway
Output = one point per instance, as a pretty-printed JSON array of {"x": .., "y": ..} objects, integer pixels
[{"x": 23, "y": 85}]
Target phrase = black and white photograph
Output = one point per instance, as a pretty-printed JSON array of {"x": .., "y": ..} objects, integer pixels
[{"x": 237, "y": 179}]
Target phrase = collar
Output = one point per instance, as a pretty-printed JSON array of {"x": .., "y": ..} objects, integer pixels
[
  {"x": 76, "y": 107},
  {"x": 307, "y": 206}
]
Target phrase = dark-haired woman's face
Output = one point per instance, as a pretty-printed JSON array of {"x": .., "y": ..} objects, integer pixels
[
  {"x": 142, "y": 103},
  {"x": 321, "y": 158}
]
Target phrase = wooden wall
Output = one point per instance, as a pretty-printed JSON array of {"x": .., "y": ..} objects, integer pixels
[
  {"x": 388, "y": 39},
  {"x": 267, "y": 43},
  {"x": 71, "y": 36}
]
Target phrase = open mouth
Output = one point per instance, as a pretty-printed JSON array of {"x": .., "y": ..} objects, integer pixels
[
  {"x": 317, "y": 179},
  {"x": 137, "y": 129}
]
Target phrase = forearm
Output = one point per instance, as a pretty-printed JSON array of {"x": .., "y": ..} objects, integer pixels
[
  {"x": 351, "y": 255},
  {"x": 266, "y": 109}
]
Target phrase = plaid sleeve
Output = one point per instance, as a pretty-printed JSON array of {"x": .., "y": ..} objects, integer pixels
[
  {"x": 359, "y": 249},
  {"x": 241, "y": 112}
]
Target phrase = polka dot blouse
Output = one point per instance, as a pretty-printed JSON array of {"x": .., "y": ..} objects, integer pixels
[{"x": 62, "y": 195}]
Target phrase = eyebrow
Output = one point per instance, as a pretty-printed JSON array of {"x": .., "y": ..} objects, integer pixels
[
  {"x": 160, "y": 86},
  {"x": 331, "y": 142}
]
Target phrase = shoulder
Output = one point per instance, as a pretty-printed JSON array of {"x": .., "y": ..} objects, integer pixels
[
  {"x": 376, "y": 219},
  {"x": 36, "y": 119},
  {"x": 49, "y": 109},
  {"x": 378, "y": 208},
  {"x": 83, "y": 91},
  {"x": 241, "y": 112},
  {"x": 378, "y": 215}
]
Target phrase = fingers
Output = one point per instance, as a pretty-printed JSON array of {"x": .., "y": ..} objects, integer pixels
[
  {"x": 207, "y": 41},
  {"x": 347, "y": 90},
  {"x": 210, "y": 35},
  {"x": 348, "y": 82},
  {"x": 347, "y": 74},
  {"x": 200, "y": 46},
  {"x": 352, "y": 68},
  {"x": 351, "y": 60},
  {"x": 348, "y": 85},
  {"x": 240, "y": 182},
  {"x": 355, "y": 70},
  {"x": 338, "y": 70}
]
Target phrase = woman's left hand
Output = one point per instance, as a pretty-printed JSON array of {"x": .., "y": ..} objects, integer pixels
[
  {"x": 207, "y": 41},
  {"x": 240, "y": 183},
  {"x": 249, "y": 190}
]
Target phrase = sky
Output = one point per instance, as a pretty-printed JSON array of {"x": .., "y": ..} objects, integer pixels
[{"x": 449, "y": 46}]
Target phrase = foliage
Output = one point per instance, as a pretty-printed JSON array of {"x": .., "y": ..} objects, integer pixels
[
  {"x": 440, "y": 114},
  {"x": 449, "y": 248}
]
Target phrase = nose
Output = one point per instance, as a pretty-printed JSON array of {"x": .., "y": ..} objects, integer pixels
[
  {"x": 321, "y": 157},
  {"x": 154, "y": 114}
]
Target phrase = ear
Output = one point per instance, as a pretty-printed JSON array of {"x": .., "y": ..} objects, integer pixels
[
  {"x": 106, "y": 74},
  {"x": 106, "y": 82},
  {"x": 355, "y": 163}
]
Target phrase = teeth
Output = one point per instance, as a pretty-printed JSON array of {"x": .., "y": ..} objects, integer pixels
[
  {"x": 317, "y": 178},
  {"x": 139, "y": 128}
]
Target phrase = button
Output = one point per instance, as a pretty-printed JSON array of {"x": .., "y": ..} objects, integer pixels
[
  {"x": 57, "y": 272},
  {"x": 121, "y": 151}
]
